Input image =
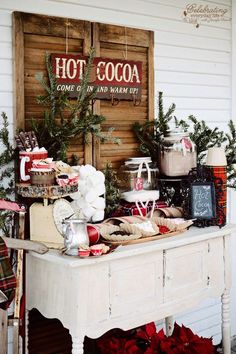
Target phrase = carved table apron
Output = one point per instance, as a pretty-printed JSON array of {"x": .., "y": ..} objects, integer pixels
[{"x": 134, "y": 285}]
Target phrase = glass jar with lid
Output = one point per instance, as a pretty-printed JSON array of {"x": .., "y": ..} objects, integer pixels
[
  {"x": 138, "y": 173},
  {"x": 177, "y": 154}
]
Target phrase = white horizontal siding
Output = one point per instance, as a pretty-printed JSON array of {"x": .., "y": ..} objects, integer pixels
[
  {"x": 192, "y": 68},
  {"x": 6, "y": 66},
  {"x": 168, "y": 51},
  {"x": 6, "y": 35},
  {"x": 206, "y": 316},
  {"x": 6, "y": 50},
  {"x": 6, "y": 87},
  {"x": 183, "y": 78}
]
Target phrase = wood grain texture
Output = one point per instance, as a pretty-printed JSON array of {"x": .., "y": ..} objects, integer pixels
[
  {"x": 41, "y": 34},
  {"x": 54, "y": 26},
  {"x": 151, "y": 93},
  {"x": 97, "y": 103},
  {"x": 25, "y": 245},
  {"x": 34, "y": 36},
  {"x": 18, "y": 67},
  {"x": 131, "y": 44},
  {"x": 88, "y": 148}
]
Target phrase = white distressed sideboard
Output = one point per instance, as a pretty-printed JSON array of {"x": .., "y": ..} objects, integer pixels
[{"x": 134, "y": 285}]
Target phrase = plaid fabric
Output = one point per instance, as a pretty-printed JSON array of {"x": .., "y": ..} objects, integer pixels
[
  {"x": 7, "y": 277},
  {"x": 220, "y": 172},
  {"x": 130, "y": 209}
]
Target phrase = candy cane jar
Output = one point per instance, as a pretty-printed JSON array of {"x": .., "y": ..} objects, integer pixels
[{"x": 138, "y": 173}]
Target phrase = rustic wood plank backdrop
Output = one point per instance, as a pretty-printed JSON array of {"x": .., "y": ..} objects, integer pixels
[
  {"x": 131, "y": 44},
  {"x": 36, "y": 34}
]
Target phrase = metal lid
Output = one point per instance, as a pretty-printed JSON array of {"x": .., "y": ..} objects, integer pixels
[{"x": 177, "y": 132}]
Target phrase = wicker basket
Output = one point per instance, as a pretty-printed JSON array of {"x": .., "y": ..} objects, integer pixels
[{"x": 107, "y": 233}]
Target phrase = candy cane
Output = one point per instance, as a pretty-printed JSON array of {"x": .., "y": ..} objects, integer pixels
[{"x": 148, "y": 170}]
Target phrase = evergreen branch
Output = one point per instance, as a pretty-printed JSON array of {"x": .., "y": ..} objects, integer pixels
[
  {"x": 66, "y": 120},
  {"x": 6, "y": 172}
]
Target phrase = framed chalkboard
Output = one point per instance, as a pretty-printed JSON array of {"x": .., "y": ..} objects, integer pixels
[{"x": 202, "y": 200}]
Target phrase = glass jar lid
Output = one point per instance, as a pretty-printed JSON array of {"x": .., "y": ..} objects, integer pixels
[
  {"x": 138, "y": 160},
  {"x": 175, "y": 134}
]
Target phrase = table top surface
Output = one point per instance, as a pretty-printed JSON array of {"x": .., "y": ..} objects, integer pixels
[{"x": 190, "y": 236}]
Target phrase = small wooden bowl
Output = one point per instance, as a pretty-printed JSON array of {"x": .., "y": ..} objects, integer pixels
[{"x": 42, "y": 178}]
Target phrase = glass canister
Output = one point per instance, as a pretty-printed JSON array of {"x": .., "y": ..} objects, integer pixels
[
  {"x": 138, "y": 173},
  {"x": 177, "y": 154}
]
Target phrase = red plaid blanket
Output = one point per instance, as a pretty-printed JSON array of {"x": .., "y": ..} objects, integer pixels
[{"x": 7, "y": 277}]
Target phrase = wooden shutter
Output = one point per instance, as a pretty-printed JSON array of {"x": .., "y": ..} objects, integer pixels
[
  {"x": 34, "y": 36},
  {"x": 115, "y": 42}
]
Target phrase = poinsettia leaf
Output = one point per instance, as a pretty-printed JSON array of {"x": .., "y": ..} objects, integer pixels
[
  {"x": 168, "y": 345},
  {"x": 131, "y": 347},
  {"x": 150, "y": 329}
]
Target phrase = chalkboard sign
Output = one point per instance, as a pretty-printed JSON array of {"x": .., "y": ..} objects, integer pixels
[{"x": 203, "y": 202}]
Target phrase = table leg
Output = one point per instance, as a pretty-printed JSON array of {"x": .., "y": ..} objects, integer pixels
[
  {"x": 77, "y": 345},
  {"x": 26, "y": 331},
  {"x": 226, "y": 330},
  {"x": 169, "y": 325}
]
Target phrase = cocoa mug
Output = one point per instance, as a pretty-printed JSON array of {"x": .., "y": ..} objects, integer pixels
[
  {"x": 93, "y": 233},
  {"x": 26, "y": 160}
]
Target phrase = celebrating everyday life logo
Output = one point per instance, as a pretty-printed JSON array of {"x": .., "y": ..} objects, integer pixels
[{"x": 196, "y": 14}]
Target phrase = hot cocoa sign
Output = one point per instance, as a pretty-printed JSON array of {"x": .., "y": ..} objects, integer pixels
[{"x": 120, "y": 79}]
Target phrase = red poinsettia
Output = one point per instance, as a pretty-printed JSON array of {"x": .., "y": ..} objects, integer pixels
[
  {"x": 146, "y": 332},
  {"x": 156, "y": 340},
  {"x": 145, "y": 340},
  {"x": 182, "y": 341},
  {"x": 127, "y": 342},
  {"x": 131, "y": 347},
  {"x": 190, "y": 343}
]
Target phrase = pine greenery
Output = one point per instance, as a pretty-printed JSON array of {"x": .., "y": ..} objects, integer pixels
[
  {"x": 203, "y": 136},
  {"x": 65, "y": 119},
  {"x": 6, "y": 158},
  {"x": 231, "y": 154},
  {"x": 150, "y": 135},
  {"x": 6, "y": 172},
  {"x": 112, "y": 194}
]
